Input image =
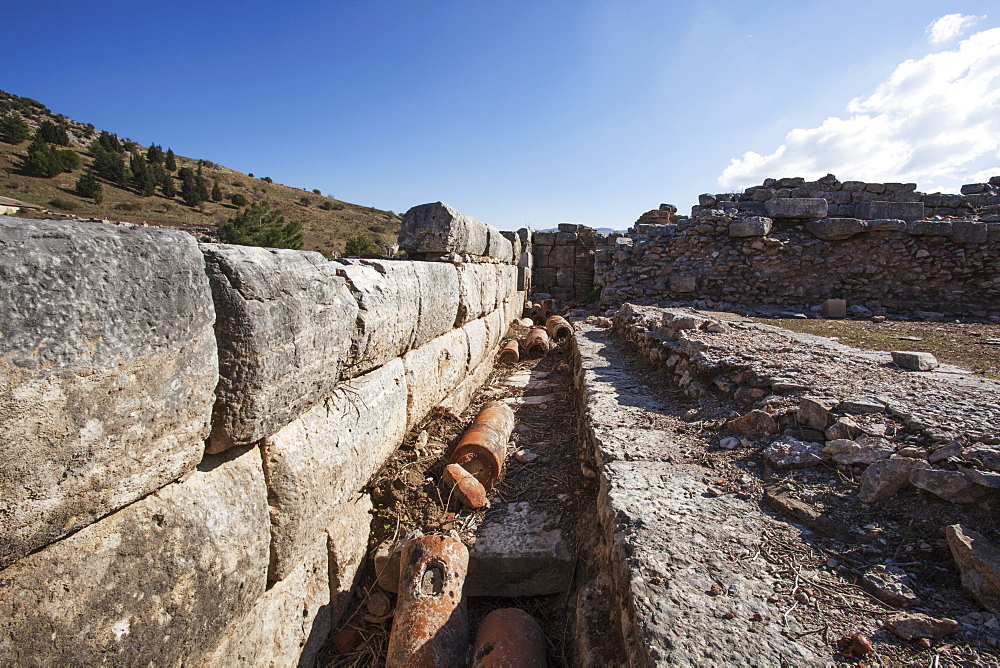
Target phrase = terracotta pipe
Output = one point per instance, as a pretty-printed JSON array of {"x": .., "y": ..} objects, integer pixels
[
  {"x": 483, "y": 447},
  {"x": 509, "y": 638},
  {"x": 510, "y": 352},
  {"x": 463, "y": 486},
  {"x": 558, "y": 328},
  {"x": 535, "y": 313},
  {"x": 537, "y": 342},
  {"x": 430, "y": 628},
  {"x": 548, "y": 308}
]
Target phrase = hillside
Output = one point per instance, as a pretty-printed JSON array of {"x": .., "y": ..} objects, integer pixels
[{"x": 326, "y": 222}]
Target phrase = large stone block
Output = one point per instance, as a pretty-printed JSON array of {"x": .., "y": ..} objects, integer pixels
[
  {"x": 438, "y": 228},
  {"x": 835, "y": 229},
  {"x": 285, "y": 325},
  {"x": 753, "y": 226},
  {"x": 968, "y": 232},
  {"x": 899, "y": 210},
  {"x": 432, "y": 371},
  {"x": 320, "y": 460},
  {"x": 388, "y": 315},
  {"x": 797, "y": 207},
  {"x": 478, "y": 287},
  {"x": 288, "y": 624},
  {"x": 439, "y": 298},
  {"x": 291, "y": 622},
  {"x": 515, "y": 244},
  {"x": 108, "y": 367},
  {"x": 155, "y": 583}
]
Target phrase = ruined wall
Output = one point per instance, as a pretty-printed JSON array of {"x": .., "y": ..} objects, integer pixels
[
  {"x": 564, "y": 262},
  {"x": 186, "y": 431},
  {"x": 882, "y": 246}
]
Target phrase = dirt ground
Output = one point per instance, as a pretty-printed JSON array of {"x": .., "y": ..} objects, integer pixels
[{"x": 972, "y": 346}]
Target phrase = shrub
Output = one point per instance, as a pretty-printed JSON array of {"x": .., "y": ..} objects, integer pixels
[
  {"x": 260, "y": 225},
  {"x": 326, "y": 205},
  {"x": 267, "y": 179},
  {"x": 239, "y": 200},
  {"x": 316, "y": 191},
  {"x": 305, "y": 201},
  {"x": 359, "y": 244},
  {"x": 128, "y": 206},
  {"x": 64, "y": 204},
  {"x": 377, "y": 229}
]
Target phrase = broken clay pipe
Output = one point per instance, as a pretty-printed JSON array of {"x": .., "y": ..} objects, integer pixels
[
  {"x": 431, "y": 625},
  {"x": 558, "y": 328},
  {"x": 463, "y": 486},
  {"x": 483, "y": 447},
  {"x": 510, "y": 352},
  {"x": 548, "y": 308},
  {"x": 509, "y": 637},
  {"x": 537, "y": 342},
  {"x": 536, "y": 314}
]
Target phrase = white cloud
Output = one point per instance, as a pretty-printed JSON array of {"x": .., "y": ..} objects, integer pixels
[
  {"x": 934, "y": 121},
  {"x": 950, "y": 26}
]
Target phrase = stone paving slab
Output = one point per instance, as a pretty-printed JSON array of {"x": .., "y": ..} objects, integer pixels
[{"x": 668, "y": 537}]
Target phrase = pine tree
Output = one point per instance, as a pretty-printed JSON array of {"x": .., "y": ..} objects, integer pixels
[
  {"x": 142, "y": 177},
  {"x": 202, "y": 186},
  {"x": 13, "y": 129},
  {"x": 260, "y": 225},
  {"x": 216, "y": 192},
  {"x": 154, "y": 154},
  {"x": 191, "y": 192},
  {"x": 360, "y": 244},
  {"x": 88, "y": 186},
  {"x": 169, "y": 161},
  {"x": 167, "y": 187},
  {"x": 51, "y": 133}
]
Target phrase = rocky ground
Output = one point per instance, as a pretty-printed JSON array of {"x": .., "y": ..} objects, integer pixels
[{"x": 734, "y": 555}]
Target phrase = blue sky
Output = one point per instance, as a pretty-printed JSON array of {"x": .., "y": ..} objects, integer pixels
[{"x": 532, "y": 112}]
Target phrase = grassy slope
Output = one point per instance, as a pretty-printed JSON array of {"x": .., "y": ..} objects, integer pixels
[{"x": 322, "y": 230}]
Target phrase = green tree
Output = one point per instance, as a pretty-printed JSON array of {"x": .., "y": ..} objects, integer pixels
[
  {"x": 359, "y": 244},
  {"x": 108, "y": 163},
  {"x": 13, "y": 129},
  {"x": 238, "y": 199},
  {"x": 216, "y": 192},
  {"x": 142, "y": 175},
  {"x": 167, "y": 187},
  {"x": 88, "y": 186},
  {"x": 108, "y": 142},
  {"x": 154, "y": 154},
  {"x": 51, "y": 133},
  {"x": 260, "y": 225},
  {"x": 42, "y": 159},
  {"x": 189, "y": 187},
  {"x": 170, "y": 161}
]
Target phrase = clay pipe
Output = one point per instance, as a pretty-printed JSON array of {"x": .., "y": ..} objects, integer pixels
[
  {"x": 548, "y": 308},
  {"x": 510, "y": 352},
  {"x": 509, "y": 637},
  {"x": 536, "y": 314},
  {"x": 483, "y": 447},
  {"x": 558, "y": 328},
  {"x": 430, "y": 628},
  {"x": 537, "y": 342}
]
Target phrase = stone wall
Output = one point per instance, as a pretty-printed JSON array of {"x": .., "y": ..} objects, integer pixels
[
  {"x": 881, "y": 246},
  {"x": 187, "y": 429},
  {"x": 564, "y": 262}
]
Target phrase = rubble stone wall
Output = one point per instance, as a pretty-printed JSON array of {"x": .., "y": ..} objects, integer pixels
[
  {"x": 186, "y": 431},
  {"x": 564, "y": 262},
  {"x": 881, "y": 246}
]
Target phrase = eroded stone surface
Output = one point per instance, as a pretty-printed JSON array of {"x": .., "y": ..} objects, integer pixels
[
  {"x": 438, "y": 228},
  {"x": 285, "y": 324},
  {"x": 108, "y": 367},
  {"x": 978, "y": 559},
  {"x": 155, "y": 583},
  {"x": 433, "y": 370},
  {"x": 320, "y": 460},
  {"x": 886, "y": 477}
]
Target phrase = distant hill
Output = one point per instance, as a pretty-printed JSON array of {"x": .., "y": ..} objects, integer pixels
[{"x": 326, "y": 222}]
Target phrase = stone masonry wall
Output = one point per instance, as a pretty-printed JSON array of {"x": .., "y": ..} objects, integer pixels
[
  {"x": 186, "y": 431},
  {"x": 564, "y": 261},
  {"x": 881, "y": 246}
]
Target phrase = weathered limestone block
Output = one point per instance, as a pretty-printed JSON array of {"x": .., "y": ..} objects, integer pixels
[
  {"x": 438, "y": 228},
  {"x": 389, "y": 311},
  {"x": 108, "y": 367},
  {"x": 835, "y": 229},
  {"x": 317, "y": 462},
  {"x": 754, "y": 226},
  {"x": 929, "y": 227},
  {"x": 155, "y": 583},
  {"x": 834, "y": 308},
  {"x": 478, "y": 340},
  {"x": 816, "y": 412},
  {"x": 968, "y": 232},
  {"x": 439, "y": 299},
  {"x": 979, "y": 560},
  {"x": 515, "y": 244},
  {"x": 478, "y": 287},
  {"x": 914, "y": 361},
  {"x": 886, "y": 477},
  {"x": 899, "y": 210},
  {"x": 432, "y": 371},
  {"x": 796, "y": 207},
  {"x": 890, "y": 225},
  {"x": 290, "y": 623},
  {"x": 284, "y": 328},
  {"x": 683, "y": 283}
]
